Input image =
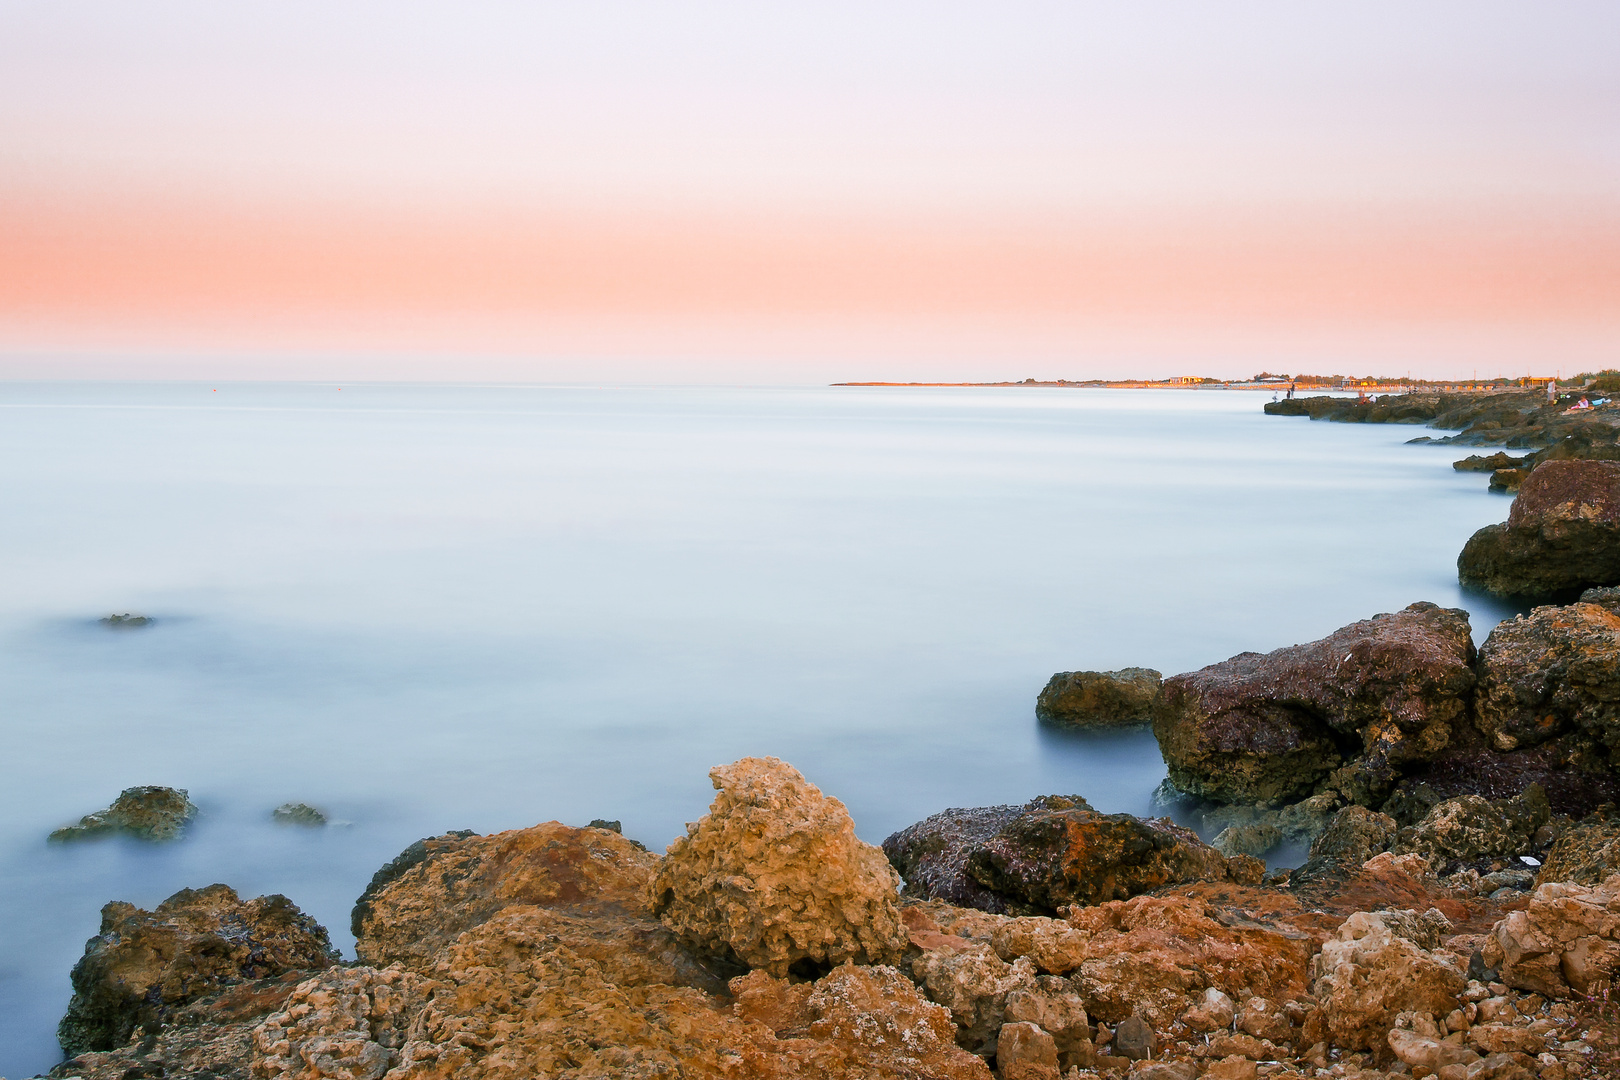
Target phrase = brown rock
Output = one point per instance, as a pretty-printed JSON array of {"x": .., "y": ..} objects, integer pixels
[
  {"x": 1550, "y": 673},
  {"x": 775, "y": 875},
  {"x": 1366, "y": 977},
  {"x": 1562, "y": 534},
  {"x": 1265, "y": 1020},
  {"x": 1505, "y": 1039},
  {"x": 974, "y": 984},
  {"x": 146, "y": 813},
  {"x": 1470, "y": 827},
  {"x": 143, "y": 966},
  {"x": 1585, "y": 854},
  {"x": 1214, "y": 1011},
  {"x": 1266, "y": 729},
  {"x": 345, "y": 1022},
  {"x": 1025, "y": 1052},
  {"x": 1134, "y": 1038},
  {"x": 1099, "y": 698},
  {"x": 445, "y": 885},
  {"x": 1232, "y": 1067},
  {"x": 1566, "y": 942}
]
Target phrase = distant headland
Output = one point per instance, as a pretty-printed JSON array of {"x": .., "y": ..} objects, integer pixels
[{"x": 1365, "y": 384}]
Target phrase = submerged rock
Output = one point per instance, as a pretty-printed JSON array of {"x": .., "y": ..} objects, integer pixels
[
  {"x": 297, "y": 813},
  {"x": 775, "y": 876},
  {"x": 148, "y": 813},
  {"x": 1357, "y": 705},
  {"x": 1050, "y": 853},
  {"x": 1099, "y": 698},
  {"x": 1562, "y": 534},
  {"x": 143, "y": 965}
]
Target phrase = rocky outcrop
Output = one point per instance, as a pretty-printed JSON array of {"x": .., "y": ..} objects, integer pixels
[
  {"x": 1051, "y": 853},
  {"x": 1566, "y": 942},
  {"x": 1562, "y": 535},
  {"x": 1490, "y": 464},
  {"x": 142, "y": 966},
  {"x": 1091, "y": 699},
  {"x": 1347, "y": 711},
  {"x": 147, "y": 813},
  {"x": 775, "y": 876},
  {"x": 1585, "y": 854},
  {"x": 444, "y": 885},
  {"x": 1554, "y": 674},
  {"x": 1469, "y": 828}
]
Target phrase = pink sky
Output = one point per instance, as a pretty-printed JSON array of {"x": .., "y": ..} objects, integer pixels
[{"x": 720, "y": 192}]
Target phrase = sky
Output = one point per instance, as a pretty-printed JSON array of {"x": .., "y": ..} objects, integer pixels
[{"x": 786, "y": 192}]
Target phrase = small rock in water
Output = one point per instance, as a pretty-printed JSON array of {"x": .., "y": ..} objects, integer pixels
[
  {"x": 297, "y": 813},
  {"x": 125, "y": 621},
  {"x": 148, "y": 813}
]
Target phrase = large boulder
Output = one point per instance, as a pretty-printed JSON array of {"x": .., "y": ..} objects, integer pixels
[
  {"x": 1092, "y": 699},
  {"x": 146, "y": 813},
  {"x": 1050, "y": 853},
  {"x": 142, "y": 966},
  {"x": 1553, "y": 673},
  {"x": 1367, "y": 975},
  {"x": 444, "y": 885},
  {"x": 775, "y": 876},
  {"x": 1566, "y": 943},
  {"x": 1562, "y": 534},
  {"x": 1347, "y": 711}
]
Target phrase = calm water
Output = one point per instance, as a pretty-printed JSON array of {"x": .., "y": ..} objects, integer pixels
[{"x": 425, "y": 608}]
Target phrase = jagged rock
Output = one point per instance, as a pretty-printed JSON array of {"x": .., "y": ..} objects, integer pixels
[
  {"x": 1498, "y": 460},
  {"x": 1605, "y": 598},
  {"x": 1469, "y": 827},
  {"x": 1562, "y": 534},
  {"x": 775, "y": 875},
  {"x": 1057, "y": 1010},
  {"x": 1215, "y": 1011},
  {"x": 1025, "y": 1052},
  {"x": 1051, "y": 853},
  {"x": 345, "y": 1022},
  {"x": 974, "y": 984},
  {"x": 1355, "y": 835},
  {"x": 1366, "y": 976},
  {"x": 1264, "y": 1019},
  {"x": 148, "y": 813},
  {"x": 298, "y": 814},
  {"x": 1554, "y": 674},
  {"x": 1426, "y": 930},
  {"x": 439, "y": 887},
  {"x": 1508, "y": 479},
  {"x": 1099, "y": 698},
  {"x": 1374, "y": 695},
  {"x": 127, "y": 620},
  {"x": 1585, "y": 854},
  {"x": 144, "y": 965},
  {"x": 932, "y": 855},
  {"x": 1566, "y": 942},
  {"x": 1253, "y": 840}
]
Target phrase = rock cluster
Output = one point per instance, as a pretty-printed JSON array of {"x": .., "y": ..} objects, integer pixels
[
  {"x": 1099, "y": 699},
  {"x": 147, "y": 813},
  {"x": 1567, "y": 942}
]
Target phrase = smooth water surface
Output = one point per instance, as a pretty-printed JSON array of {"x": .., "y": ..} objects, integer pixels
[{"x": 435, "y": 607}]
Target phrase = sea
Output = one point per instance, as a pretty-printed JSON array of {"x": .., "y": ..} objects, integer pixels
[{"x": 433, "y": 607}]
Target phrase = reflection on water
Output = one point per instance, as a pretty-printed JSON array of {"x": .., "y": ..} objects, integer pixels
[{"x": 424, "y": 608}]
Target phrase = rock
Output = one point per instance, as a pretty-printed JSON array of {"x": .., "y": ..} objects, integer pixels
[
  {"x": 1554, "y": 673},
  {"x": 1165, "y": 1070},
  {"x": 1366, "y": 976},
  {"x": 1427, "y": 1051},
  {"x": 297, "y": 813},
  {"x": 143, "y": 966},
  {"x": 1605, "y": 598},
  {"x": 1585, "y": 854},
  {"x": 1057, "y": 1010},
  {"x": 603, "y": 823},
  {"x": 1469, "y": 827},
  {"x": 1253, "y": 840},
  {"x": 1025, "y": 1052},
  {"x": 1214, "y": 1011},
  {"x": 775, "y": 876},
  {"x": 1267, "y": 729},
  {"x": 1099, "y": 698},
  {"x": 1567, "y": 942},
  {"x": 931, "y": 856},
  {"x": 1507, "y": 479},
  {"x": 1562, "y": 534},
  {"x": 1491, "y": 463},
  {"x": 442, "y": 886},
  {"x": 345, "y": 1022},
  {"x": 126, "y": 621},
  {"x": 1426, "y": 930},
  {"x": 1053, "y": 852},
  {"x": 1264, "y": 1020},
  {"x": 1232, "y": 1067},
  {"x": 148, "y": 813},
  {"x": 1134, "y": 1039},
  {"x": 1355, "y": 835},
  {"x": 974, "y": 984}
]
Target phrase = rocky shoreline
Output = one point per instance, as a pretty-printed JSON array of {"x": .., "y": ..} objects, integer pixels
[{"x": 1458, "y": 915}]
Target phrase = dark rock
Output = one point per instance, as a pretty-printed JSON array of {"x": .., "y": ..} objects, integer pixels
[
  {"x": 149, "y": 813},
  {"x": 1562, "y": 534},
  {"x": 1374, "y": 696},
  {"x": 1553, "y": 673},
  {"x": 1134, "y": 1039},
  {"x": 1256, "y": 839},
  {"x": 1045, "y": 855},
  {"x": 142, "y": 966},
  {"x": 1355, "y": 835},
  {"x": 1475, "y": 769},
  {"x": 1498, "y": 460},
  {"x": 1508, "y": 479},
  {"x": 1586, "y": 853},
  {"x": 297, "y": 813},
  {"x": 1469, "y": 827},
  {"x": 1099, "y": 698},
  {"x": 1604, "y": 598},
  {"x": 603, "y": 823},
  {"x": 126, "y": 621}
]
